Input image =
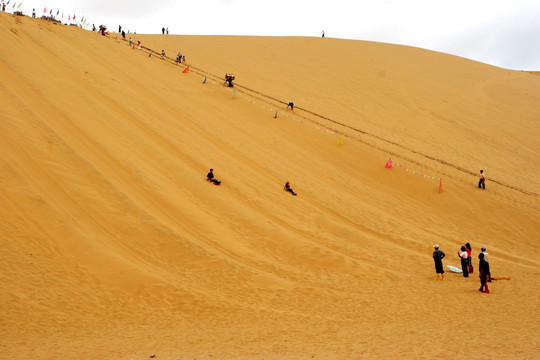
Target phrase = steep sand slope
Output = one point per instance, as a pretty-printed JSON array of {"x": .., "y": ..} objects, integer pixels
[{"x": 114, "y": 246}]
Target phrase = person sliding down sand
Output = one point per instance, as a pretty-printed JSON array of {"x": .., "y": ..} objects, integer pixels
[
  {"x": 210, "y": 177},
  {"x": 288, "y": 188}
]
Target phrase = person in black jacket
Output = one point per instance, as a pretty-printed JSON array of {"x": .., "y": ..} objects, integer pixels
[
  {"x": 288, "y": 188},
  {"x": 438, "y": 255},
  {"x": 483, "y": 267}
]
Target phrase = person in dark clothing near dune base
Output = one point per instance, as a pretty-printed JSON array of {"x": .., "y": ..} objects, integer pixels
[
  {"x": 438, "y": 255},
  {"x": 483, "y": 268}
]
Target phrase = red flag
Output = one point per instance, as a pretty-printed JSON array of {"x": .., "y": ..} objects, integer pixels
[
  {"x": 73, "y": 16},
  {"x": 50, "y": 12},
  {"x": 45, "y": 10},
  {"x": 388, "y": 164},
  {"x": 186, "y": 70}
]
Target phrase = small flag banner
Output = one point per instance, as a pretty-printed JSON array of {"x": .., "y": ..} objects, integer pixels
[
  {"x": 391, "y": 163},
  {"x": 411, "y": 171}
]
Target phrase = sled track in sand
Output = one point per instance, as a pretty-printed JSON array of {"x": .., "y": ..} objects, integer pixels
[{"x": 269, "y": 99}]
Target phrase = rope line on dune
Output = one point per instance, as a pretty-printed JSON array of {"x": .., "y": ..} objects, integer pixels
[{"x": 265, "y": 97}]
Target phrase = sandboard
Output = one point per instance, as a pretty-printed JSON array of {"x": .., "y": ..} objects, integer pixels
[{"x": 454, "y": 269}]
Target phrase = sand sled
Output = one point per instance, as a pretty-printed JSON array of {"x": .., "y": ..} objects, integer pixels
[{"x": 454, "y": 269}]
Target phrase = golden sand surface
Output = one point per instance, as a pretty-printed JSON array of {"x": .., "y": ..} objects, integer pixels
[{"x": 113, "y": 245}]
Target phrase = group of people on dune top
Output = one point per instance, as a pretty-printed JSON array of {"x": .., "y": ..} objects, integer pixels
[
  {"x": 466, "y": 264},
  {"x": 210, "y": 177}
]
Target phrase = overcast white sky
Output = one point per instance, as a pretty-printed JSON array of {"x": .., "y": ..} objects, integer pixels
[{"x": 504, "y": 33}]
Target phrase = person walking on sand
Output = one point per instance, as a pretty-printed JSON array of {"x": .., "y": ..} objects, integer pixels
[
  {"x": 483, "y": 269},
  {"x": 287, "y": 187},
  {"x": 469, "y": 257},
  {"x": 163, "y": 54},
  {"x": 290, "y": 105},
  {"x": 464, "y": 262},
  {"x": 482, "y": 181},
  {"x": 438, "y": 255}
]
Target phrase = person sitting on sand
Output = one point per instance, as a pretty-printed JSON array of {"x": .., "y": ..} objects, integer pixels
[
  {"x": 210, "y": 177},
  {"x": 288, "y": 188},
  {"x": 438, "y": 255}
]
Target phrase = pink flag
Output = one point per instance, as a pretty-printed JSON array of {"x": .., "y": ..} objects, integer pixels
[
  {"x": 45, "y": 10},
  {"x": 14, "y": 4},
  {"x": 69, "y": 17},
  {"x": 389, "y": 164}
]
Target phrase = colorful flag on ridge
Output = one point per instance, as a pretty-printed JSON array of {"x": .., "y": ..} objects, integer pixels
[
  {"x": 14, "y": 4},
  {"x": 50, "y": 13},
  {"x": 45, "y": 10},
  {"x": 19, "y": 5},
  {"x": 8, "y": 2},
  {"x": 73, "y": 16},
  {"x": 58, "y": 12}
]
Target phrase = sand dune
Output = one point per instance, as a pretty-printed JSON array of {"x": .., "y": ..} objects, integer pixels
[{"x": 114, "y": 246}]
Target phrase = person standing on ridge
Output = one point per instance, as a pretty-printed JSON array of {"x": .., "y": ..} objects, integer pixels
[
  {"x": 438, "y": 255},
  {"x": 119, "y": 29},
  {"x": 33, "y": 13},
  {"x": 482, "y": 181},
  {"x": 323, "y": 33},
  {"x": 163, "y": 31},
  {"x": 464, "y": 262}
]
